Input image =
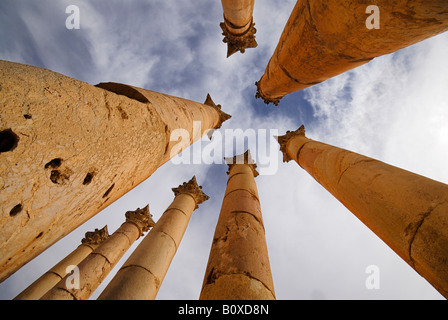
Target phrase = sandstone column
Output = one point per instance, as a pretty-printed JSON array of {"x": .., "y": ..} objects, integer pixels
[
  {"x": 407, "y": 211},
  {"x": 42, "y": 285},
  {"x": 142, "y": 274},
  {"x": 324, "y": 38},
  {"x": 69, "y": 149},
  {"x": 238, "y": 267},
  {"x": 238, "y": 26},
  {"x": 95, "y": 268}
]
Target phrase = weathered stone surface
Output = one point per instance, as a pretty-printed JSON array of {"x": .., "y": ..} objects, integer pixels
[
  {"x": 47, "y": 281},
  {"x": 97, "y": 265},
  {"x": 238, "y": 266},
  {"x": 407, "y": 211},
  {"x": 142, "y": 274},
  {"x": 325, "y": 38},
  {"x": 69, "y": 149}
]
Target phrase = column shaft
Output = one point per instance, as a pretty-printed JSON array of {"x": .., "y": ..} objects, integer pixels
[
  {"x": 238, "y": 267},
  {"x": 47, "y": 281},
  {"x": 238, "y": 27},
  {"x": 407, "y": 211},
  {"x": 70, "y": 149},
  {"x": 325, "y": 38},
  {"x": 142, "y": 274},
  {"x": 95, "y": 268}
]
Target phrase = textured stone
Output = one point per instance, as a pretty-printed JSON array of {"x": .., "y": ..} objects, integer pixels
[
  {"x": 97, "y": 265},
  {"x": 325, "y": 38},
  {"x": 142, "y": 274},
  {"x": 238, "y": 265},
  {"x": 51, "y": 278},
  {"x": 407, "y": 211},
  {"x": 69, "y": 149}
]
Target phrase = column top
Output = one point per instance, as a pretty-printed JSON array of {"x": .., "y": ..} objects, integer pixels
[
  {"x": 239, "y": 42},
  {"x": 141, "y": 218},
  {"x": 95, "y": 238},
  {"x": 223, "y": 117},
  {"x": 261, "y": 95},
  {"x": 283, "y": 141},
  {"x": 193, "y": 189},
  {"x": 245, "y": 158}
]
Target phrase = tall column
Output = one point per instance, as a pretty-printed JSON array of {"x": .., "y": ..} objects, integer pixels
[
  {"x": 95, "y": 268},
  {"x": 142, "y": 274},
  {"x": 238, "y": 267},
  {"x": 42, "y": 285},
  {"x": 69, "y": 149},
  {"x": 324, "y": 38},
  {"x": 238, "y": 26},
  {"x": 407, "y": 211}
]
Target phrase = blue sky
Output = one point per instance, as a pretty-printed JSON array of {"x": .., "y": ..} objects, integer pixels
[{"x": 394, "y": 109}]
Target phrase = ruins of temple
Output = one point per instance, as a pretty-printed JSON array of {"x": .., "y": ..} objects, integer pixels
[{"x": 56, "y": 175}]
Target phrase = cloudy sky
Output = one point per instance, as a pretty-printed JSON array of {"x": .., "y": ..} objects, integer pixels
[{"x": 394, "y": 109}]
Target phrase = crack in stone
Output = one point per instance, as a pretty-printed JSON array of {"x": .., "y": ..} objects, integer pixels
[
  {"x": 156, "y": 279},
  {"x": 352, "y": 165},
  {"x": 414, "y": 227},
  {"x": 213, "y": 276},
  {"x": 250, "y": 214}
]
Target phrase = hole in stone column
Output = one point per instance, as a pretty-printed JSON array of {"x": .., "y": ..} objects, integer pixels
[
  {"x": 27, "y": 116},
  {"x": 16, "y": 210},
  {"x": 123, "y": 113},
  {"x": 88, "y": 178},
  {"x": 39, "y": 235},
  {"x": 54, "y": 164},
  {"x": 108, "y": 191},
  {"x": 123, "y": 90},
  {"x": 8, "y": 140},
  {"x": 58, "y": 177}
]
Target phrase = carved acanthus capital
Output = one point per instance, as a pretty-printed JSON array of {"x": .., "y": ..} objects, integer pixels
[
  {"x": 261, "y": 95},
  {"x": 238, "y": 42},
  {"x": 283, "y": 141},
  {"x": 245, "y": 158},
  {"x": 141, "y": 218},
  {"x": 193, "y": 189},
  {"x": 223, "y": 117},
  {"x": 95, "y": 238}
]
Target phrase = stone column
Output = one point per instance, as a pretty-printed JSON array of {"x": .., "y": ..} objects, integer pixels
[
  {"x": 42, "y": 285},
  {"x": 324, "y": 38},
  {"x": 142, "y": 274},
  {"x": 238, "y": 26},
  {"x": 95, "y": 268},
  {"x": 69, "y": 149},
  {"x": 238, "y": 266},
  {"x": 407, "y": 211}
]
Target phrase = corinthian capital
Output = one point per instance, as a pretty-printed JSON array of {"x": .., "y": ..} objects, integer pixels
[
  {"x": 238, "y": 42},
  {"x": 223, "y": 117},
  {"x": 95, "y": 238},
  {"x": 283, "y": 141},
  {"x": 141, "y": 218},
  {"x": 193, "y": 189},
  {"x": 245, "y": 158}
]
